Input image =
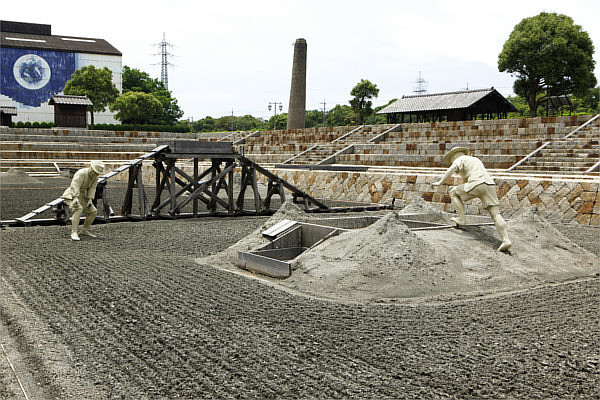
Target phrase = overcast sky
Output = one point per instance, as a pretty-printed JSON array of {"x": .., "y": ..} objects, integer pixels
[{"x": 237, "y": 55}]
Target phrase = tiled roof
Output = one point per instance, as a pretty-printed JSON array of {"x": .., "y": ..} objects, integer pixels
[
  {"x": 8, "y": 110},
  {"x": 70, "y": 100},
  {"x": 57, "y": 43},
  {"x": 438, "y": 102}
]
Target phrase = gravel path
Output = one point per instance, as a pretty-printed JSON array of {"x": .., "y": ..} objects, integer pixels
[{"x": 131, "y": 315}]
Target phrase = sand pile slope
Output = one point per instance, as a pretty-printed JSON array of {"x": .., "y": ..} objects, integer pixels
[
  {"x": 383, "y": 260},
  {"x": 386, "y": 261},
  {"x": 16, "y": 176}
]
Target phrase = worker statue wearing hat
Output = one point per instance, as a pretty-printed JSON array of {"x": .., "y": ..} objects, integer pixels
[
  {"x": 477, "y": 183},
  {"x": 79, "y": 196}
]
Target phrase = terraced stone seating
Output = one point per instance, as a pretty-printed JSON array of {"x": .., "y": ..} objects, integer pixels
[
  {"x": 279, "y": 146},
  {"x": 324, "y": 152},
  {"x": 499, "y": 154},
  {"x": 499, "y": 143},
  {"x": 41, "y": 151},
  {"x": 578, "y": 153}
]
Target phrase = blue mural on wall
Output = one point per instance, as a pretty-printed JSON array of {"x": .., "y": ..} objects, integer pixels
[{"x": 31, "y": 77}]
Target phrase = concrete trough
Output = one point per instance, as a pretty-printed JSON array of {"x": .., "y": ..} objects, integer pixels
[{"x": 275, "y": 259}]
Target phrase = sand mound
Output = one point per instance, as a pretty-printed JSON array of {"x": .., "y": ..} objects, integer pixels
[
  {"x": 16, "y": 176},
  {"x": 386, "y": 261},
  {"x": 419, "y": 206},
  {"x": 366, "y": 264}
]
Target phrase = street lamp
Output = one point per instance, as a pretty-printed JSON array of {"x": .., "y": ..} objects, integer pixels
[{"x": 274, "y": 105}]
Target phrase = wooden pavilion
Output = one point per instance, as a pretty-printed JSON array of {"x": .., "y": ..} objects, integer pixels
[{"x": 450, "y": 106}]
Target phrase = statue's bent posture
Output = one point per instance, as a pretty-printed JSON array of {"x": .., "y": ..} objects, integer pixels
[
  {"x": 477, "y": 184},
  {"x": 79, "y": 196}
]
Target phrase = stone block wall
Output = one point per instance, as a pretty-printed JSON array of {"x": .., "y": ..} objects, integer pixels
[{"x": 558, "y": 200}]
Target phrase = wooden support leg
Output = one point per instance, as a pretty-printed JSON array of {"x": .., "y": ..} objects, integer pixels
[
  {"x": 257, "y": 202},
  {"x": 102, "y": 193},
  {"x": 230, "y": 203},
  {"x": 127, "y": 203},
  {"x": 243, "y": 185},
  {"x": 214, "y": 186},
  {"x": 141, "y": 194},
  {"x": 195, "y": 186},
  {"x": 171, "y": 170}
]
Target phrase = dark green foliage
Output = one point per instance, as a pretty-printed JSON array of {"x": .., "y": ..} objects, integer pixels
[
  {"x": 136, "y": 107},
  {"x": 135, "y": 80},
  {"x": 361, "y": 104},
  {"x": 243, "y": 123},
  {"x": 549, "y": 55},
  {"x": 96, "y": 84},
  {"x": 341, "y": 116}
]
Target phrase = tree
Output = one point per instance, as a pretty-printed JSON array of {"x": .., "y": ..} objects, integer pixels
[
  {"x": 135, "y": 80},
  {"x": 340, "y": 116},
  {"x": 94, "y": 83},
  {"x": 278, "y": 121},
  {"x": 549, "y": 55},
  {"x": 137, "y": 107},
  {"x": 314, "y": 118},
  {"x": 361, "y": 104},
  {"x": 206, "y": 124}
]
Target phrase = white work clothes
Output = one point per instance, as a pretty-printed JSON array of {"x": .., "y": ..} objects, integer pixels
[
  {"x": 472, "y": 171},
  {"x": 83, "y": 186}
]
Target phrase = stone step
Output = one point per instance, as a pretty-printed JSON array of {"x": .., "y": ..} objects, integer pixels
[
  {"x": 66, "y": 132},
  {"x": 565, "y": 162},
  {"x": 572, "y": 159},
  {"x": 61, "y": 146},
  {"x": 77, "y": 139},
  {"x": 70, "y": 155}
]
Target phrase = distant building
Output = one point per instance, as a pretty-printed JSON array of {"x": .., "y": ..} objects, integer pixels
[
  {"x": 450, "y": 106},
  {"x": 6, "y": 114},
  {"x": 70, "y": 111},
  {"x": 35, "y": 65}
]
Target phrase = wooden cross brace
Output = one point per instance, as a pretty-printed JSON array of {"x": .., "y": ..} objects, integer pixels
[{"x": 196, "y": 188}]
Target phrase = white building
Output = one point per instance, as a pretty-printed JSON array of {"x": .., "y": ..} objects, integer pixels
[{"x": 35, "y": 65}]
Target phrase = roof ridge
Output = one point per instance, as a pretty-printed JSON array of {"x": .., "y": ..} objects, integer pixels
[{"x": 445, "y": 93}]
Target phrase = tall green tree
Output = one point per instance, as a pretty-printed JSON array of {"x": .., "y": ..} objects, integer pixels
[
  {"x": 137, "y": 107},
  {"x": 340, "y": 115},
  {"x": 361, "y": 104},
  {"x": 135, "y": 80},
  {"x": 96, "y": 84},
  {"x": 549, "y": 55}
]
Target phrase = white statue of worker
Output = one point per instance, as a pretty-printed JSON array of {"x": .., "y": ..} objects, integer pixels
[
  {"x": 79, "y": 196},
  {"x": 477, "y": 184}
]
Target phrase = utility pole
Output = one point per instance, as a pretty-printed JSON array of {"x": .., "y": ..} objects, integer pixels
[
  {"x": 232, "y": 120},
  {"x": 274, "y": 105},
  {"x": 324, "y": 112}
]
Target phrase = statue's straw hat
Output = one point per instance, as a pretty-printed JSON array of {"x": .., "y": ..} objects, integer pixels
[
  {"x": 448, "y": 156},
  {"x": 97, "y": 166}
]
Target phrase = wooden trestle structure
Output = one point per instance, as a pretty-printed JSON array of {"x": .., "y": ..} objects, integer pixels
[{"x": 214, "y": 187}]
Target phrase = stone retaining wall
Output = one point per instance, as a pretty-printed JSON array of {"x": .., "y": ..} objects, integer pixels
[{"x": 558, "y": 200}]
